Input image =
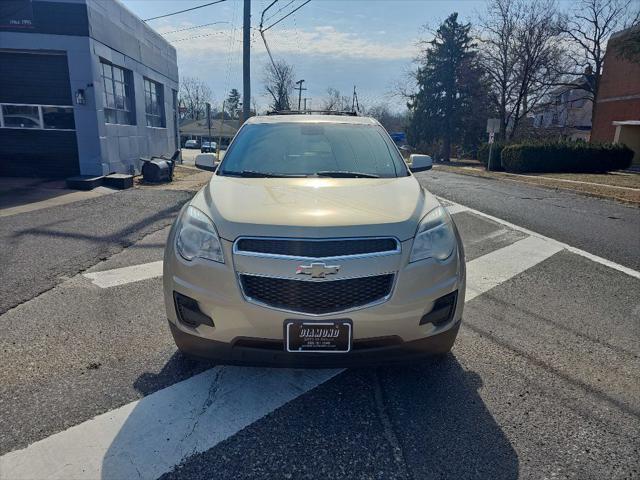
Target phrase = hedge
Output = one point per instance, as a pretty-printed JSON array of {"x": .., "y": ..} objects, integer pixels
[
  {"x": 573, "y": 157},
  {"x": 483, "y": 155}
]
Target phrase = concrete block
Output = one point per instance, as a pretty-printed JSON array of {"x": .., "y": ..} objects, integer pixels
[{"x": 119, "y": 180}]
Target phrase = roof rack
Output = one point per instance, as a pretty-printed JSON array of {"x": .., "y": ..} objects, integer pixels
[{"x": 309, "y": 112}]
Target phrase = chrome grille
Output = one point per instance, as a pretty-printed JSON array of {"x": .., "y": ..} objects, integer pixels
[{"x": 310, "y": 248}]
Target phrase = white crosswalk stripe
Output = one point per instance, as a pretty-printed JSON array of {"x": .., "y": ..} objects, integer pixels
[
  {"x": 492, "y": 269},
  {"x": 148, "y": 437},
  {"x": 124, "y": 275},
  {"x": 453, "y": 207}
]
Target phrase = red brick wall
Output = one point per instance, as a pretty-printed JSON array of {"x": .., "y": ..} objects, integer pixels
[
  {"x": 607, "y": 112},
  {"x": 620, "y": 78}
]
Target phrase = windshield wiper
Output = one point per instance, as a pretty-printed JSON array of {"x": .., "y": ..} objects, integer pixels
[
  {"x": 345, "y": 174},
  {"x": 254, "y": 174}
]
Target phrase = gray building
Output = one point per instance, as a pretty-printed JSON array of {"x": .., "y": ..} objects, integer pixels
[{"x": 86, "y": 88}]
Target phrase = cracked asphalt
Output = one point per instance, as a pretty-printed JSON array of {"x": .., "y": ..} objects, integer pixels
[
  {"x": 44, "y": 247},
  {"x": 543, "y": 382}
]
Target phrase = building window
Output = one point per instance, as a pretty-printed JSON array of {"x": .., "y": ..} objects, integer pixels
[
  {"x": 118, "y": 95},
  {"x": 40, "y": 117},
  {"x": 58, "y": 118},
  {"x": 154, "y": 103}
]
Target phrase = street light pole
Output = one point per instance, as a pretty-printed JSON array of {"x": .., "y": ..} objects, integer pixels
[
  {"x": 300, "y": 89},
  {"x": 246, "y": 60},
  {"x": 220, "y": 133}
]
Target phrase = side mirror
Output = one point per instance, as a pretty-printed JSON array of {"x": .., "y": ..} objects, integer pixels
[
  {"x": 420, "y": 163},
  {"x": 206, "y": 161}
]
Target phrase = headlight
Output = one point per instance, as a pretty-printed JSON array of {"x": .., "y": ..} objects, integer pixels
[
  {"x": 197, "y": 237},
  {"x": 434, "y": 237}
]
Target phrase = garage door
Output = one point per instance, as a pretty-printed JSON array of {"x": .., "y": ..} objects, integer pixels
[{"x": 37, "y": 128}]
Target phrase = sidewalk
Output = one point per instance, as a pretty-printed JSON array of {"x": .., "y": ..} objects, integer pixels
[{"x": 20, "y": 195}]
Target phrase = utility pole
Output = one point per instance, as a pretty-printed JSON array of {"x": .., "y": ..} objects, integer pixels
[
  {"x": 300, "y": 89},
  {"x": 354, "y": 101},
  {"x": 209, "y": 118},
  {"x": 246, "y": 61}
]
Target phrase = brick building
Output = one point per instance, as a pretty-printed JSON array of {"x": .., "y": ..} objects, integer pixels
[{"x": 617, "y": 115}]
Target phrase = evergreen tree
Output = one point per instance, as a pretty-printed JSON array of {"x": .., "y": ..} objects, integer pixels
[
  {"x": 450, "y": 105},
  {"x": 232, "y": 103}
]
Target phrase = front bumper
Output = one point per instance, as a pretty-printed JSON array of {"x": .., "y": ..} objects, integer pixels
[
  {"x": 258, "y": 352},
  {"x": 249, "y": 333}
]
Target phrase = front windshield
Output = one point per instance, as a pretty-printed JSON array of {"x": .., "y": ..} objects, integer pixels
[{"x": 310, "y": 149}]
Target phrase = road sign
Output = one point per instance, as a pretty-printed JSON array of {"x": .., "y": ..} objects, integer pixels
[
  {"x": 493, "y": 125},
  {"x": 491, "y": 137}
]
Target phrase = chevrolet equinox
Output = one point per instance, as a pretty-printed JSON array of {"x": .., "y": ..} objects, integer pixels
[{"x": 314, "y": 245}]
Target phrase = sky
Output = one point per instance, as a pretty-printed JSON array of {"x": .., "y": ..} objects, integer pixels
[{"x": 331, "y": 43}]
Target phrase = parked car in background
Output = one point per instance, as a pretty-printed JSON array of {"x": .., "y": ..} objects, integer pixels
[
  {"x": 208, "y": 147},
  {"x": 191, "y": 144}
]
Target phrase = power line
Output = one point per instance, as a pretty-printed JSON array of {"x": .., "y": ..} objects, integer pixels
[
  {"x": 263, "y": 30},
  {"x": 264, "y": 39},
  {"x": 278, "y": 11},
  {"x": 197, "y": 36},
  {"x": 192, "y": 28},
  {"x": 185, "y": 10},
  {"x": 265, "y": 11},
  {"x": 288, "y": 14}
]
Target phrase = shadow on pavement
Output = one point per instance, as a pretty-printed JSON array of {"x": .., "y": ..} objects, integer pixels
[
  {"x": 178, "y": 368},
  {"x": 443, "y": 426},
  {"x": 424, "y": 421},
  {"x": 17, "y": 191}
]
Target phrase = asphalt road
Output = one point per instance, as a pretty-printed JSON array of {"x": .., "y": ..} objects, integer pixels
[
  {"x": 605, "y": 228},
  {"x": 543, "y": 382},
  {"x": 42, "y": 248}
]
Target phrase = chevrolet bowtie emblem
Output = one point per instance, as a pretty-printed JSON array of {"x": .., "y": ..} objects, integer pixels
[{"x": 317, "y": 270}]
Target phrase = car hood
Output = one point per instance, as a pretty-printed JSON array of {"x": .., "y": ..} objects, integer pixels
[{"x": 314, "y": 207}]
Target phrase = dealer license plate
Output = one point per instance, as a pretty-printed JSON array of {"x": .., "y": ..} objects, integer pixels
[{"x": 332, "y": 336}]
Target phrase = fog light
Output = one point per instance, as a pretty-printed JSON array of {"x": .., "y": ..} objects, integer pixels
[
  {"x": 189, "y": 312},
  {"x": 442, "y": 311}
]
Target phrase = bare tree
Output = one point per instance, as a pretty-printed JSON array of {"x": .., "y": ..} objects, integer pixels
[
  {"x": 392, "y": 121},
  {"x": 587, "y": 27},
  {"x": 520, "y": 51},
  {"x": 278, "y": 83},
  {"x": 335, "y": 102},
  {"x": 539, "y": 57},
  {"x": 194, "y": 95}
]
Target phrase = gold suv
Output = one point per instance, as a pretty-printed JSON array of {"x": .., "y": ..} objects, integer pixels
[{"x": 314, "y": 245}]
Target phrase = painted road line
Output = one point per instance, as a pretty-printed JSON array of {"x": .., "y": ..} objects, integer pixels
[
  {"x": 492, "y": 269},
  {"x": 453, "y": 209},
  {"x": 595, "y": 258},
  {"x": 149, "y": 437},
  {"x": 124, "y": 275}
]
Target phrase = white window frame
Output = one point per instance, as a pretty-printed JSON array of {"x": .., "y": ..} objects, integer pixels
[{"x": 40, "y": 116}]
